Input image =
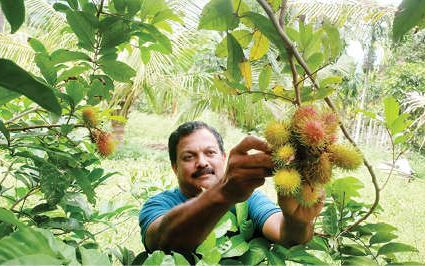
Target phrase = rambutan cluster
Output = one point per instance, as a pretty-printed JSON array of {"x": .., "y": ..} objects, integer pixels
[{"x": 305, "y": 152}]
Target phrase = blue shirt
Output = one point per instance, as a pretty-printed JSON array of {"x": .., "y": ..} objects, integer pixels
[{"x": 259, "y": 208}]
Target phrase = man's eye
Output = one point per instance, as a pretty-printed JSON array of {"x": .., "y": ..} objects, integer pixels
[
  {"x": 187, "y": 157},
  {"x": 212, "y": 152}
]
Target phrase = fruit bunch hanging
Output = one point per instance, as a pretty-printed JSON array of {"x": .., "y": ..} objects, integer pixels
[
  {"x": 305, "y": 150},
  {"x": 105, "y": 141}
]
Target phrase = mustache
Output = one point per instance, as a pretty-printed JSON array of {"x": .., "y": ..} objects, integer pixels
[{"x": 203, "y": 171}]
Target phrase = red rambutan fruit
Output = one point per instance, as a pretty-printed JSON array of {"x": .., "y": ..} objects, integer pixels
[
  {"x": 313, "y": 133},
  {"x": 106, "y": 143}
]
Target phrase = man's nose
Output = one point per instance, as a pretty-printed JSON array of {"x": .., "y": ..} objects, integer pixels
[{"x": 202, "y": 161}]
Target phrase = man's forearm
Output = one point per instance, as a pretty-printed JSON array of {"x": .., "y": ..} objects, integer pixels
[{"x": 187, "y": 225}]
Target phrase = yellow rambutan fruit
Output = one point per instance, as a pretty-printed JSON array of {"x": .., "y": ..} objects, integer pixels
[
  {"x": 319, "y": 171},
  {"x": 345, "y": 156},
  {"x": 313, "y": 133},
  {"x": 308, "y": 195},
  {"x": 287, "y": 181},
  {"x": 89, "y": 116},
  {"x": 106, "y": 143},
  {"x": 277, "y": 133},
  {"x": 284, "y": 155}
]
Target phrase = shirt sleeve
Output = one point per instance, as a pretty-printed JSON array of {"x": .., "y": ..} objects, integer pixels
[
  {"x": 260, "y": 208},
  {"x": 154, "y": 208}
]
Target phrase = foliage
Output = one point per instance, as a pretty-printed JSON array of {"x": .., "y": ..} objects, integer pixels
[
  {"x": 49, "y": 149},
  {"x": 49, "y": 188}
]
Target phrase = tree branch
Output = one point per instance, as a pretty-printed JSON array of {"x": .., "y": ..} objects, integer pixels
[
  {"x": 283, "y": 8},
  {"x": 41, "y": 126},
  {"x": 32, "y": 191},
  {"x": 267, "y": 94},
  {"x": 289, "y": 45},
  {"x": 13, "y": 119}
]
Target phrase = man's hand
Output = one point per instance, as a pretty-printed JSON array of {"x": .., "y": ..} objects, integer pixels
[
  {"x": 245, "y": 171},
  {"x": 291, "y": 209},
  {"x": 298, "y": 220}
]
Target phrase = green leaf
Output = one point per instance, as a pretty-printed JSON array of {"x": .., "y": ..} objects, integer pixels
[
  {"x": 330, "y": 220},
  {"x": 410, "y": 13},
  {"x": 391, "y": 110},
  {"x": 36, "y": 45},
  {"x": 74, "y": 72},
  {"x": 117, "y": 70},
  {"x": 60, "y": 7},
  {"x": 315, "y": 61},
  {"x": 133, "y": 6},
  {"x": 330, "y": 81},
  {"x": 14, "y": 11},
  {"x": 93, "y": 257},
  {"x": 243, "y": 37},
  {"x": 5, "y": 131},
  {"x": 353, "y": 249},
  {"x": 247, "y": 229},
  {"x": 343, "y": 189},
  {"x": 318, "y": 243},
  {"x": 83, "y": 27},
  {"x": 241, "y": 212},
  {"x": 356, "y": 260},
  {"x": 266, "y": 27},
  {"x": 208, "y": 244},
  {"x": 8, "y": 217},
  {"x": 391, "y": 248},
  {"x": 75, "y": 90},
  {"x": 114, "y": 31},
  {"x": 180, "y": 259},
  {"x": 163, "y": 44},
  {"x": 264, "y": 78},
  {"x": 29, "y": 241},
  {"x": 14, "y": 78},
  {"x": 63, "y": 55},
  {"x": 235, "y": 57},
  {"x": 73, "y": 4},
  {"x": 260, "y": 46},
  {"x": 334, "y": 42},
  {"x": 226, "y": 223},
  {"x": 239, "y": 247},
  {"x": 218, "y": 15},
  {"x": 119, "y": 5},
  {"x": 400, "y": 124},
  {"x": 382, "y": 237},
  {"x": 379, "y": 227},
  {"x": 46, "y": 67},
  {"x": 7, "y": 95},
  {"x": 258, "y": 249}
]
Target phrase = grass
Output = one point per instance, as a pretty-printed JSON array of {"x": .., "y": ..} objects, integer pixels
[{"x": 144, "y": 170}]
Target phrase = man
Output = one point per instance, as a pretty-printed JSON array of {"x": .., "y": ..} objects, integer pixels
[{"x": 181, "y": 219}]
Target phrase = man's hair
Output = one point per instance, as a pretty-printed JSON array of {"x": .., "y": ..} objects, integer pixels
[{"x": 186, "y": 129}]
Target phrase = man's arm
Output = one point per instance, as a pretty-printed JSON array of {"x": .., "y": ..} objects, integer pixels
[
  {"x": 294, "y": 225},
  {"x": 187, "y": 225}
]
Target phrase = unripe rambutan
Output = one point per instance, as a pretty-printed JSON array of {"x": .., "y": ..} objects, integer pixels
[
  {"x": 89, "y": 116},
  {"x": 308, "y": 195},
  {"x": 302, "y": 115},
  {"x": 345, "y": 156},
  {"x": 277, "y": 133},
  {"x": 319, "y": 171},
  {"x": 284, "y": 155},
  {"x": 287, "y": 181},
  {"x": 313, "y": 133},
  {"x": 105, "y": 143}
]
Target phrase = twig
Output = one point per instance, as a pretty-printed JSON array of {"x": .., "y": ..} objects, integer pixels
[
  {"x": 314, "y": 72},
  {"x": 295, "y": 80},
  {"x": 22, "y": 115},
  {"x": 103, "y": 230},
  {"x": 9, "y": 169},
  {"x": 32, "y": 191},
  {"x": 41, "y": 126},
  {"x": 283, "y": 7},
  {"x": 300, "y": 60},
  {"x": 100, "y": 8},
  {"x": 266, "y": 94}
]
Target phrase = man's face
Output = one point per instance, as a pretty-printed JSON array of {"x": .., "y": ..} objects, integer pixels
[{"x": 200, "y": 163}]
